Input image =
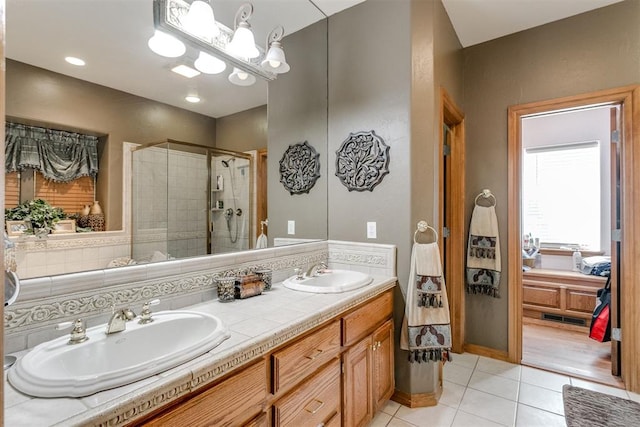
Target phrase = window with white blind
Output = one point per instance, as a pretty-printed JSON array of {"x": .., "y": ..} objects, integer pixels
[{"x": 561, "y": 194}]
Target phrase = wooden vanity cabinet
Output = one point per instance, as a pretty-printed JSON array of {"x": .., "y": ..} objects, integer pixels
[
  {"x": 338, "y": 374},
  {"x": 368, "y": 377},
  {"x": 235, "y": 401},
  {"x": 316, "y": 401}
]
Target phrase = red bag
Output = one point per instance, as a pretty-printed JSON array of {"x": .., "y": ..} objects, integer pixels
[{"x": 601, "y": 320}]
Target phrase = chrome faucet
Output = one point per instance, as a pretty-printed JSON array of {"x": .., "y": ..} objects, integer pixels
[
  {"x": 119, "y": 319},
  {"x": 316, "y": 269}
]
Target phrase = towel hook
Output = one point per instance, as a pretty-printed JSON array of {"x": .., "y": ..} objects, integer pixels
[
  {"x": 423, "y": 226},
  {"x": 486, "y": 194}
]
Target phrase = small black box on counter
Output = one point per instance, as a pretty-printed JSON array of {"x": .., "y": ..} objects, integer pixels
[{"x": 248, "y": 285}]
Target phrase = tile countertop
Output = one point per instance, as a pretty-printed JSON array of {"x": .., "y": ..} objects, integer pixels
[{"x": 257, "y": 325}]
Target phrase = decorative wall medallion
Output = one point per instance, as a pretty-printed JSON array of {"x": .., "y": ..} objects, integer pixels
[
  {"x": 299, "y": 168},
  {"x": 362, "y": 162}
]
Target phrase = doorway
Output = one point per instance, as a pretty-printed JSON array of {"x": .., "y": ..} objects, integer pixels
[
  {"x": 452, "y": 212},
  {"x": 626, "y": 251},
  {"x": 566, "y": 215}
]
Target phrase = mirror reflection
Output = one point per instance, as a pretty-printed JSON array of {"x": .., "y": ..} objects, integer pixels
[{"x": 126, "y": 97}]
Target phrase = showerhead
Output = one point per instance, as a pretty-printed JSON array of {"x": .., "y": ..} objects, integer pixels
[{"x": 227, "y": 162}]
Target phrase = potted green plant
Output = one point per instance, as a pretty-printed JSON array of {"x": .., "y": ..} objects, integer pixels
[{"x": 41, "y": 214}]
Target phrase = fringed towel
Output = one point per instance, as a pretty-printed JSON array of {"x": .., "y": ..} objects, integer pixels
[
  {"x": 483, "y": 252},
  {"x": 426, "y": 332}
]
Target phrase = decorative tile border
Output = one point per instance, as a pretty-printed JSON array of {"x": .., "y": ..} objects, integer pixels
[
  {"x": 32, "y": 244},
  {"x": 32, "y": 314}
]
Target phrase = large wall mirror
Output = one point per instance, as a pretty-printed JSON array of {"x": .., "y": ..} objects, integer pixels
[{"x": 175, "y": 179}]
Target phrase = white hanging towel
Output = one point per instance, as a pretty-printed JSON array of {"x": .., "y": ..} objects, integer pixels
[
  {"x": 261, "y": 242},
  {"x": 426, "y": 329},
  {"x": 483, "y": 252}
]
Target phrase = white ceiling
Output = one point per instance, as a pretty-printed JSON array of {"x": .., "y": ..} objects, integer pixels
[
  {"x": 111, "y": 36},
  {"x": 477, "y": 21}
]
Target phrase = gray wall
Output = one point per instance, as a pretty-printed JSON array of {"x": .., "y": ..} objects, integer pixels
[
  {"x": 243, "y": 131},
  {"x": 389, "y": 81},
  {"x": 297, "y": 112},
  {"x": 588, "y": 52},
  {"x": 46, "y": 98}
]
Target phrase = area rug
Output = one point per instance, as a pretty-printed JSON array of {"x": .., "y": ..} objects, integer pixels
[{"x": 586, "y": 408}]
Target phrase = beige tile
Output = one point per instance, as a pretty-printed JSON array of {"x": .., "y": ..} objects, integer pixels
[
  {"x": 432, "y": 416},
  {"x": 488, "y": 406},
  {"x": 467, "y": 360},
  {"x": 530, "y": 417},
  {"x": 498, "y": 367},
  {"x": 451, "y": 394},
  {"x": 600, "y": 387},
  {"x": 464, "y": 419},
  {"x": 397, "y": 422},
  {"x": 380, "y": 420},
  {"x": 390, "y": 407},
  {"x": 634, "y": 396},
  {"x": 43, "y": 412},
  {"x": 541, "y": 398},
  {"x": 543, "y": 378},
  {"x": 457, "y": 374},
  {"x": 494, "y": 384}
]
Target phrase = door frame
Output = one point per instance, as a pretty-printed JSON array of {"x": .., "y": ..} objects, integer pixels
[
  {"x": 629, "y": 99},
  {"x": 454, "y": 215}
]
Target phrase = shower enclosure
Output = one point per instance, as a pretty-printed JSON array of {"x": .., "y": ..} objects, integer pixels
[{"x": 189, "y": 200}]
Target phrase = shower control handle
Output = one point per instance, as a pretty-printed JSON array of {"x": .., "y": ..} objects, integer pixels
[{"x": 239, "y": 212}]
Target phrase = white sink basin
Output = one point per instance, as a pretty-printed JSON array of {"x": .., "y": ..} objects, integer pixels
[
  {"x": 57, "y": 369},
  {"x": 332, "y": 281}
]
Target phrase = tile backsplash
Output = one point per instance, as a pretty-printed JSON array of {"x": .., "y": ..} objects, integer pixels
[{"x": 46, "y": 301}]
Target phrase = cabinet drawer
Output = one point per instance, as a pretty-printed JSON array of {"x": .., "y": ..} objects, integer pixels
[
  {"x": 314, "y": 402},
  {"x": 357, "y": 324},
  {"x": 541, "y": 296},
  {"x": 584, "y": 302},
  {"x": 303, "y": 357},
  {"x": 232, "y": 402}
]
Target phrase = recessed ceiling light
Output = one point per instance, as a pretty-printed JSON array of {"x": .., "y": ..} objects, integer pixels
[
  {"x": 185, "y": 71},
  {"x": 75, "y": 61},
  {"x": 192, "y": 98}
]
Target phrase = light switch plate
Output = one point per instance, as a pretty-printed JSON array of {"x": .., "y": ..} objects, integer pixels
[
  {"x": 291, "y": 227},
  {"x": 371, "y": 230}
]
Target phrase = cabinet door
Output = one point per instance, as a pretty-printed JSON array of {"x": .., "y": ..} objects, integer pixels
[
  {"x": 358, "y": 401},
  {"x": 383, "y": 373}
]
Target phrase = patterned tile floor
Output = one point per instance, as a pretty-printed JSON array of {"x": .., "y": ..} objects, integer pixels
[{"x": 479, "y": 392}]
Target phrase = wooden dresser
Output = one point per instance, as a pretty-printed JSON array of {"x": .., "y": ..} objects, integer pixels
[{"x": 562, "y": 298}]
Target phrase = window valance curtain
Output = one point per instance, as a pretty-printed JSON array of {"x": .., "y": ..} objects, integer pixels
[{"x": 59, "y": 155}]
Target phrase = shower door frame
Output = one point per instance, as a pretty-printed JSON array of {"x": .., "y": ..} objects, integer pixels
[{"x": 211, "y": 152}]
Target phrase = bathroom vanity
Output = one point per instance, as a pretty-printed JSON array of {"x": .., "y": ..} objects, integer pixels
[
  {"x": 293, "y": 359},
  {"x": 299, "y": 382}
]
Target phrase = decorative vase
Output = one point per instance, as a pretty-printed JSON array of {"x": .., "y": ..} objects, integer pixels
[
  {"x": 86, "y": 210},
  {"x": 96, "y": 209}
]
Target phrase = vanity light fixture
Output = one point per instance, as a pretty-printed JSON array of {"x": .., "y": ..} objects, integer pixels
[
  {"x": 200, "y": 20},
  {"x": 75, "y": 61},
  {"x": 192, "y": 25},
  {"x": 185, "y": 71},
  {"x": 209, "y": 64},
  {"x": 241, "y": 78},
  {"x": 165, "y": 45},
  {"x": 243, "y": 44},
  {"x": 275, "y": 60}
]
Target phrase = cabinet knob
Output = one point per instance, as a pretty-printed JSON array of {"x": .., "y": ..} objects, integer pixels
[{"x": 319, "y": 404}]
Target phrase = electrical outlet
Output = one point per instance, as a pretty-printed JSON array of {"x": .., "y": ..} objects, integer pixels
[
  {"x": 371, "y": 230},
  {"x": 291, "y": 227}
]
